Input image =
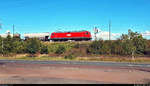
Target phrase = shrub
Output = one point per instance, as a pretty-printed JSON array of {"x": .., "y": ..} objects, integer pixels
[
  {"x": 33, "y": 46},
  {"x": 53, "y": 47},
  {"x": 106, "y": 47},
  {"x": 116, "y": 47},
  {"x": 61, "y": 49},
  {"x": 95, "y": 47},
  {"x": 100, "y": 47},
  {"x": 70, "y": 56},
  {"x": 19, "y": 47},
  {"x": 11, "y": 46},
  {"x": 44, "y": 49}
]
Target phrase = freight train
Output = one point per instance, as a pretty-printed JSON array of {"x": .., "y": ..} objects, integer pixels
[
  {"x": 57, "y": 36},
  {"x": 61, "y": 36}
]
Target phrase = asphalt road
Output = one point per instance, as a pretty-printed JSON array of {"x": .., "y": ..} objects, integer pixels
[
  {"x": 72, "y": 72},
  {"x": 112, "y": 64}
]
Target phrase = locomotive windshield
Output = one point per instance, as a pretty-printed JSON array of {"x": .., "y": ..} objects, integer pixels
[{"x": 86, "y": 33}]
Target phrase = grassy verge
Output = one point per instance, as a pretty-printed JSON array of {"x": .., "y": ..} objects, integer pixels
[
  {"x": 97, "y": 59},
  {"x": 115, "y": 59}
]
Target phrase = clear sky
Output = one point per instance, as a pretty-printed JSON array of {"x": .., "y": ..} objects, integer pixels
[{"x": 31, "y": 16}]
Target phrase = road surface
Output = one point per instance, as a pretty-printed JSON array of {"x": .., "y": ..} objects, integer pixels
[
  {"x": 117, "y": 64},
  {"x": 72, "y": 72}
]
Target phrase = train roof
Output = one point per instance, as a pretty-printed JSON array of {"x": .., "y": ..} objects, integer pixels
[
  {"x": 38, "y": 33},
  {"x": 70, "y": 31},
  {"x": 32, "y": 35}
]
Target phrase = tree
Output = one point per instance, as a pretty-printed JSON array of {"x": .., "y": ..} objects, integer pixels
[
  {"x": 138, "y": 41},
  {"x": 33, "y": 46},
  {"x": 140, "y": 44},
  {"x": 133, "y": 43},
  {"x": 8, "y": 45}
]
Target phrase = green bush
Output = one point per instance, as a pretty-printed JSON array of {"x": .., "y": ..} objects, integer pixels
[
  {"x": 19, "y": 47},
  {"x": 52, "y": 48},
  {"x": 95, "y": 47},
  {"x": 61, "y": 49},
  {"x": 117, "y": 47},
  {"x": 33, "y": 46},
  {"x": 44, "y": 49},
  {"x": 70, "y": 56},
  {"x": 11, "y": 45},
  {"x": 106, "y": 47}
]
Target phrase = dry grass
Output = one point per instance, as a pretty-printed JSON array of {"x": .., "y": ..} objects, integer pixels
[
  {"x": 45, "y": 57},
  {"x": 115, "y": 59}
]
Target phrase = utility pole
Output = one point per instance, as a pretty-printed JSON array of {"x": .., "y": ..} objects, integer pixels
[
  {"x": 109, "y": 29},
  {"x": 13, "y": 30}
]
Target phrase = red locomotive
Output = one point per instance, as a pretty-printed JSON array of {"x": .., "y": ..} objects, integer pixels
[{"x": 76, "y": 35}]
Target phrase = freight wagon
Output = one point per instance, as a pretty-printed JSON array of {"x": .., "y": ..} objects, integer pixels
[{"x": 41, "y": 36}]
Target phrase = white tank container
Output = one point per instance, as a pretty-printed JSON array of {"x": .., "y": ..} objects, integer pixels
[{"x": 36, "y": 35}]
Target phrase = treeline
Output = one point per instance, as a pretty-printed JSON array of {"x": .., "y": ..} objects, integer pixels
[
  {"x": 130, "y": 44},
  {"x": 127, "y": 44},
  {"x": 12, "y": 46}
]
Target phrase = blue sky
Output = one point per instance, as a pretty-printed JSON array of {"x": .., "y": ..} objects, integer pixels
[{"x": 31, "y": 16}]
